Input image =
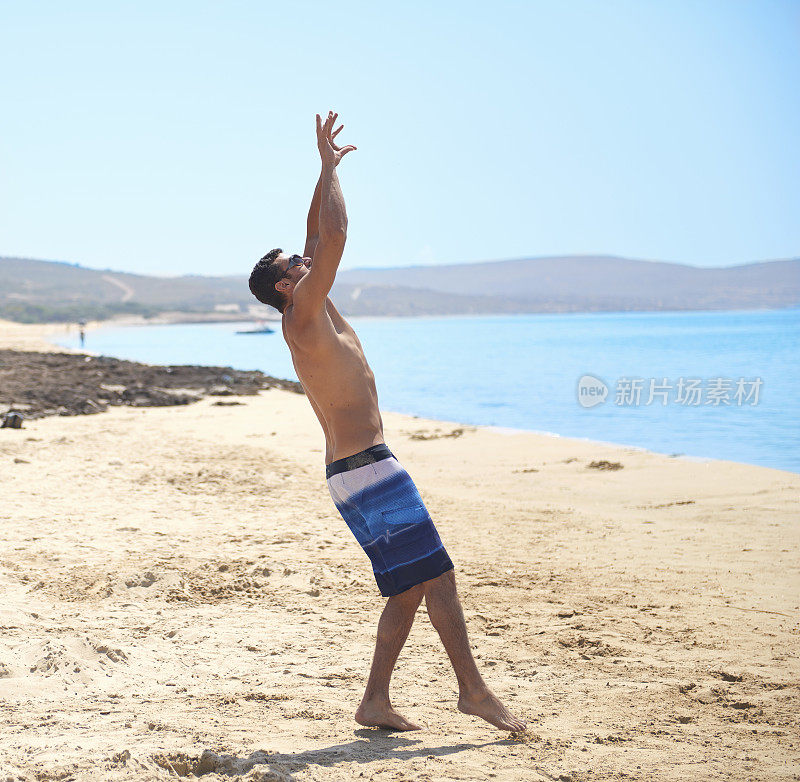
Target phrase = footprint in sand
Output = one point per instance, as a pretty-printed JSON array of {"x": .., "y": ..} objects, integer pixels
[
  {"x": 139, "y": 580},
  {"x": 72, "y": 655}
]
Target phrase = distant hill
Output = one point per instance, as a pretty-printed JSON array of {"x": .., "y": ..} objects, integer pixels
[
  {"x": 32, "y": 290},
  {"x": 588, "y": 283}
]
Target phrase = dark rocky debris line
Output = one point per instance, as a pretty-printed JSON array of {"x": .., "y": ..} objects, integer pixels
[{"x": 42, "y": 384}]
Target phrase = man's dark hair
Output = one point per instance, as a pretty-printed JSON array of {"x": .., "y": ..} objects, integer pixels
[{"x": 263, "y": 278}]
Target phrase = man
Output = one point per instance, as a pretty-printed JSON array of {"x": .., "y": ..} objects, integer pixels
[{"x": 374, "y": 494}]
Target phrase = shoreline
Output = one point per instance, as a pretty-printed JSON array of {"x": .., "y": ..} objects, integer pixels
[{"x": 38, "y": 337}]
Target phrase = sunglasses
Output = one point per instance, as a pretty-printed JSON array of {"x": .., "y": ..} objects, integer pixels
[{"x": 295, "y": 260}]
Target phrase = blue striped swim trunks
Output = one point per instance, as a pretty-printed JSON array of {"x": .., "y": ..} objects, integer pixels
[{"x": 385, "y": 512}]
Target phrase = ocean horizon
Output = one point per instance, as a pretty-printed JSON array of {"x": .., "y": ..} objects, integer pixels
[{"x": 716, "y": 384}]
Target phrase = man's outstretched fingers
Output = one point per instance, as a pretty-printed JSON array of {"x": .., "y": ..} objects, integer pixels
[{"x": 330, "y": 123}]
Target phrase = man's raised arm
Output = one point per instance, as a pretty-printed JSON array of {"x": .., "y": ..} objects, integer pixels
[
  {"x": 312, "y": 290},
  {"x": 312, "y": 221}
]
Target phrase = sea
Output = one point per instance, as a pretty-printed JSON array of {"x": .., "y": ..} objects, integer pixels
[{"x": 721, "y": 385}]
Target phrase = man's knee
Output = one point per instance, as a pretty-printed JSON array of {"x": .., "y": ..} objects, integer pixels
[
  {"x": 413, "y": 595},
  {"x": 443, "y": 584}
]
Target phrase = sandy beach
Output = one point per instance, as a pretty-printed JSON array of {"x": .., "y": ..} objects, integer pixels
[{"x": 181, "y": 598}]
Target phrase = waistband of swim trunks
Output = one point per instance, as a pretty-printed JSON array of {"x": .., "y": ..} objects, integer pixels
[{"x": 375, "y": 453}]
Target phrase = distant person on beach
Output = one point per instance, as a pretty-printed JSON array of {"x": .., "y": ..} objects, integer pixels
[
  {"x": 82, "y": 335},
  {"x": 373, "y": 493}
]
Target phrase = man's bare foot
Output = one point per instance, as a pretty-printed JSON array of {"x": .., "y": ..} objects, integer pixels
[
  {"x": 382, "y": 715},
  {"x": 486, "y": 705}
]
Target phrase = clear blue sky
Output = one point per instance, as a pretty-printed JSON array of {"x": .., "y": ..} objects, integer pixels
[{"x": 178, "y": 137}]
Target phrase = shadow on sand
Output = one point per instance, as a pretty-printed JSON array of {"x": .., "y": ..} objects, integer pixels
[{"x": 372, "y": 745}]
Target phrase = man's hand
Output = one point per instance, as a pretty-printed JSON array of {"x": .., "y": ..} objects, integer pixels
[{"x": 329, "y": 151}]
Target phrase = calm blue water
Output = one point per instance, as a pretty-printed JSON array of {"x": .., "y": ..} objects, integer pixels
[{"x": 522, "y": 371}]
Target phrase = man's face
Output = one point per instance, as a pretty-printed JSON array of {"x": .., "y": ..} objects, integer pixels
[{"x": 294, "y": 267}]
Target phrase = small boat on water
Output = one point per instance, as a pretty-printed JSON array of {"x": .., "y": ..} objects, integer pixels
[{"x": 262, "y": 328}]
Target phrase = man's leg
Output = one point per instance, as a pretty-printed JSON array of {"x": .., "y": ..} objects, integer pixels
[
  {"x": 393, "y": 629},
  {"x": 444, "y": 610}
]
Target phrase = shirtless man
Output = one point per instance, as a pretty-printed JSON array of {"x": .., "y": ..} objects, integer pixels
[{"x": 374, "y": 494}]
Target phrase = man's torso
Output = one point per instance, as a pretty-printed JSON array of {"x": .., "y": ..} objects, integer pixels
[{"x": 338, "y": 381}]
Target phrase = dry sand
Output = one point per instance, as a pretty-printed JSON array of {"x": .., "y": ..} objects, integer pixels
[
  {"x": 179, "y": 594},
  {"x": 34, "y": 336}
]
